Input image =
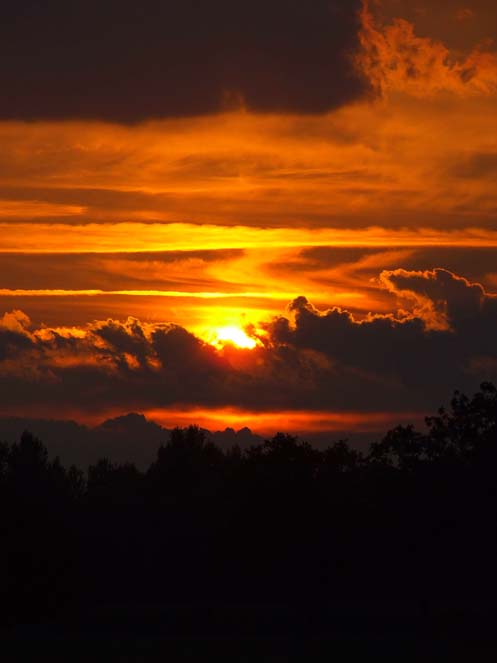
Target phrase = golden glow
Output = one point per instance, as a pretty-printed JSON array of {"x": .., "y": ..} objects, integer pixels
[
  {"x": 265, "y": 423},
  {"x": 234, "y": 335},
  {"x": 144, "y": 293},
  {"x": 138, "y": 237},
  {"x": 269, "y": 423}
]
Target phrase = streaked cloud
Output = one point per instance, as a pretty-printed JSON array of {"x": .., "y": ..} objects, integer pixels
[{"x": 130, "y": 235}]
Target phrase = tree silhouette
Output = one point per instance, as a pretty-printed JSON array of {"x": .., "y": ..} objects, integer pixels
[
  {"x": 279, "y": 521},
  {"x": 187, "y": 466},
  {"x": 403, "y": 448},
  {"x": 469, "y": 428},
  {"x": 117, "y": 483}
]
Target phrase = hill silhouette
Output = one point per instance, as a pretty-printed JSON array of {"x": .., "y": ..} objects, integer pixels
[{"x": 127, "y": 438}]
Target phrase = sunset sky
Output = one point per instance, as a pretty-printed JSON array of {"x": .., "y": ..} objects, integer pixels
[{"x": 277, "y": 214}]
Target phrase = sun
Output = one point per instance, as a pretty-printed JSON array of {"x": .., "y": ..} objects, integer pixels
[{"x": 234, "y": 335}]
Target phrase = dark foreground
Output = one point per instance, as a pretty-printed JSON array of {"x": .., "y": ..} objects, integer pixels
[
  {"x": 350, "y": 631},
  {"x": 280, "y": 552}
]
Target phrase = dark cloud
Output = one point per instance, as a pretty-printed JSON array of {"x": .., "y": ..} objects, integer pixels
[
  {"x": 453, "y": 299},
  {"x": 481, "y": 164},
  {"x": 441, "y": 338},
  {"x": 414, "y": 355},
  {"x": 14, "y": 337},
  {"x": 126, "y": 61},
  {"x": 12, "y": 343}
]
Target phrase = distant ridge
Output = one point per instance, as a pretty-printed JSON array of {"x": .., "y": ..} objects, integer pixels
[{"x": 127, "y": 438}]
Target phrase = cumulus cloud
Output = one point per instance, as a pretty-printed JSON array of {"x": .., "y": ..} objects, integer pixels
[
  {"x": 440, "y": 337},
  {"x": 15, "y": 321},
  {"x": 438, "y": 297},
  {"x": 15, "y": 337}
]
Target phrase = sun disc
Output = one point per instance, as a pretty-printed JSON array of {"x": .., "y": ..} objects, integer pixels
[{"x": 234, "y": 335}]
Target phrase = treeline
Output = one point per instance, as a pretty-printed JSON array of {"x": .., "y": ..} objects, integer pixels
[{"x": 416, "y": 516}]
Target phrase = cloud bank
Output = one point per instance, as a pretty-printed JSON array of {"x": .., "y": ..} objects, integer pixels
[{"x": 441, "y": 336}]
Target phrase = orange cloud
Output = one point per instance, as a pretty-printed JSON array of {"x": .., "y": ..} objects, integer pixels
[
  {"x": 136, "y": 237},
  {"x": 35, "y": 209},
  {"x": 308, "y": 359},
  {"x": 393, "y": 58},
  {"x": 270, "y": 423},
  {"x": 15, "y": 321},
  {"x": 367, "y": 164}
]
